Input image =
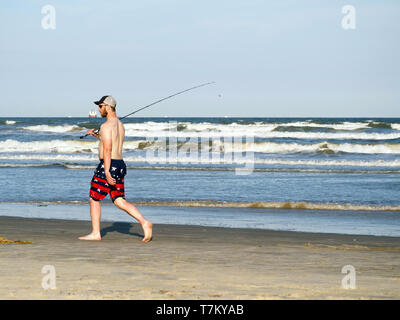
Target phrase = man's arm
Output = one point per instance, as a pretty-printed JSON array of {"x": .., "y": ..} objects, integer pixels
[{"x": 106, "y": 139}]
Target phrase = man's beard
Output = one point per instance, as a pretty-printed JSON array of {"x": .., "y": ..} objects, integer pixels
[{"x": 104, "y": 115}]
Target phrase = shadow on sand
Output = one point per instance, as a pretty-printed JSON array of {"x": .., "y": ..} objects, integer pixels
[{"x": 121, "y": 227}]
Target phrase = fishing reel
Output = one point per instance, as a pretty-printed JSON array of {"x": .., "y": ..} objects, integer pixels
[{"x": 87, "y": 134}]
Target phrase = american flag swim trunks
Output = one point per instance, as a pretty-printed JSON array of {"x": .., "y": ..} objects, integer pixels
[{"x": 99, "y": 187}]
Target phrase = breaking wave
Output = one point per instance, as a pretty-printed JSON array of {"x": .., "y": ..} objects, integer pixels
[
  {"x": 300, "y": 205},
  {"x": 78, "y": 166},
  {"x": 270, "y": 205},
  {"x": 193, "y": 145},
  {"x": 298, "y": 129},
  {"x": 290, "y": 130},
  {"x": 57, "y": 129},
  {"x": 157, "y": 160}
]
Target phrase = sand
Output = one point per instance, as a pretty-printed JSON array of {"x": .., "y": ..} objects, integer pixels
[{"x": 192, "y": 262}]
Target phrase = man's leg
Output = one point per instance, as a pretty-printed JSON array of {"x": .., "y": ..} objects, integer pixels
[
  {"x": 129, "y": 208},
  {"x": 95, "y": 215}
]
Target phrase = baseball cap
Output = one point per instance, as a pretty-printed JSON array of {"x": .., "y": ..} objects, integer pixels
[{"x": 107, "y": 100}]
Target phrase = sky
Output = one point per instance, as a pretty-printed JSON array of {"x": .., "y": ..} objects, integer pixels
[{"x": 268, "y": 58}]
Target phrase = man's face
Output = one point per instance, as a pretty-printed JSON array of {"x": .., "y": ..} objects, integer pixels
[{"x": 102, "y": 110}]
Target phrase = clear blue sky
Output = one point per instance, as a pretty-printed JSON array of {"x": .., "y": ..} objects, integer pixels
[{"x": 268, "y": 58}]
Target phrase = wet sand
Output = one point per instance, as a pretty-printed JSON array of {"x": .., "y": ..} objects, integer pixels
[{"x": 192, "y": 262}]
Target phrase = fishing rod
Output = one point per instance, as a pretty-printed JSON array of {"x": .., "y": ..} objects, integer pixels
[{"x": 151, "y": 104}]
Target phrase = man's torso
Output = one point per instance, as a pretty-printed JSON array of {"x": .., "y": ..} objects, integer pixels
[{"x": 117, "y": 133}]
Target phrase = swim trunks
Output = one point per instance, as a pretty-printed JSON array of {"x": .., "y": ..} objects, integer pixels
[{"x": 99, "y": 187}]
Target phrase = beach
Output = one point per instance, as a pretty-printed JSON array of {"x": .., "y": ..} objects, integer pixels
[
  {"x": 192, "y": 262},
  {"x": 321, "y": 198}
]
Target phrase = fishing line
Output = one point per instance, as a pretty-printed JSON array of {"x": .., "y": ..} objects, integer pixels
[{"x": 151, "y": 104}]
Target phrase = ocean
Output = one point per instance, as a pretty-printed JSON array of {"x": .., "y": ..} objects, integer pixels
[{"x": 270, "y": 173}]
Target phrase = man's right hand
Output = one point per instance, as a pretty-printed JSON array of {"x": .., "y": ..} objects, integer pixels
[{"x": 92, "y": 132}]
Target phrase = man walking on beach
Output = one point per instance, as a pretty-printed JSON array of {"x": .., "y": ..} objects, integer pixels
[{"x": 109, "y": 174}]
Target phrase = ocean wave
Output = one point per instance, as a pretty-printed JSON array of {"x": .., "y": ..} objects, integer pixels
[
  {"x": 16, "y": 165},
  {"x": 257, "y": 132},
  {"x": 77, "y": 166},
  {"x": 191, "y": 168},
  {"x": 260, "y": 125},
  {"x": 395, "y": 126},
  {"x": 322, "y": 147},
  {"x": 270, "y": 205},
  {"x": 300, "y": 205},
  {"x": 55, "y": 146},
  {"x": 67, "y": 146},
  {"x": 290, "y": 129},
  {"x": 344, "y": 126},
  {"x": 10, "y": 122},
  {"x": 197, "y": 145},
  {"x": 49, "y": 157},
  {"x": 198, "y": 160},
  {"x": 302, "y": 129},
  {"x": 380, "y": 125},
  {"x": 56, "y": 129}
]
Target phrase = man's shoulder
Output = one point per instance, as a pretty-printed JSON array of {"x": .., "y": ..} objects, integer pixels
[
  {"x": 108, "y": 124},
  {"x": 105, "y": 127}
]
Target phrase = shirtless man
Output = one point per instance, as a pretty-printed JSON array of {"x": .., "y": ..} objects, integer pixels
[{"x": 109, "y": 174}]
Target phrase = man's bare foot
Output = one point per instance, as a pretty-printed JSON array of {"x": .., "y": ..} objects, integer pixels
[
  {"x": 92, "y": 237},
  {"x": 148, "y": 231}
]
